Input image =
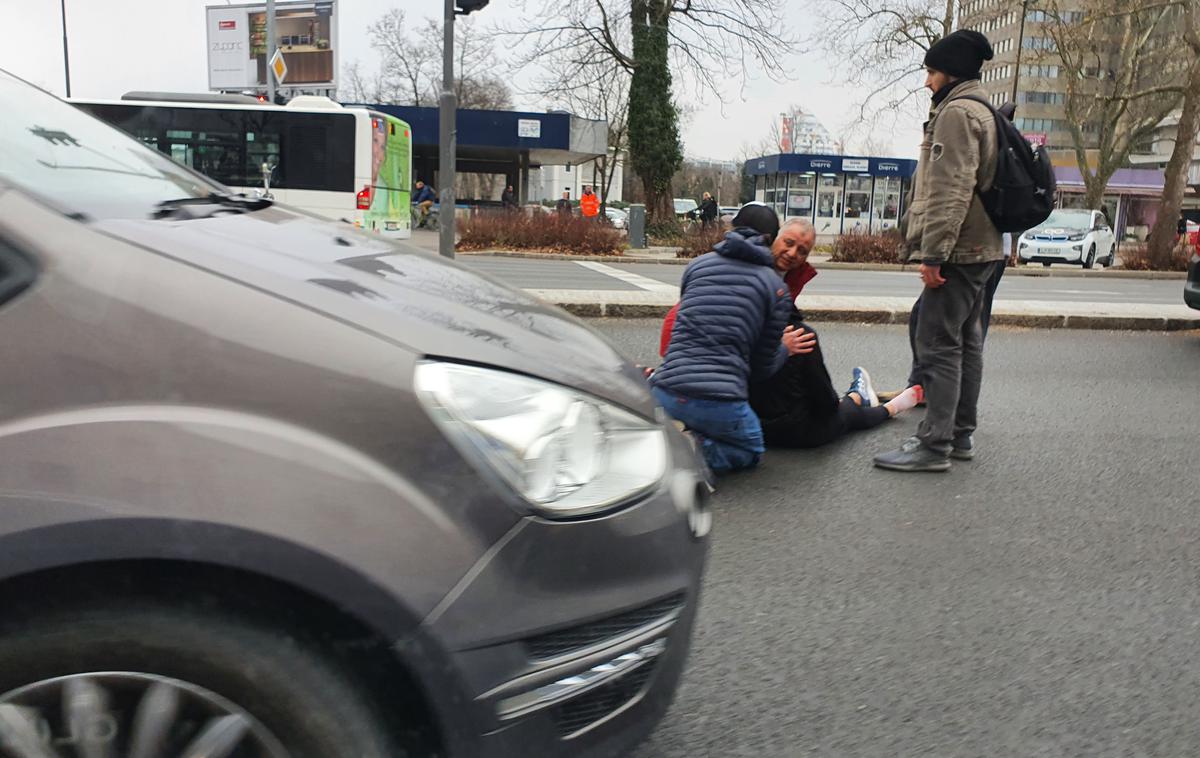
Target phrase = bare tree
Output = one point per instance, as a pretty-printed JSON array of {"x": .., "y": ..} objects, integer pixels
[
  {"x": 591, "y": 85},
  {"x": 1122, "y": 75},
  {"x": 361, "y": 88},
  {"x": 881, "y": 44},
  {"x": 410, "y": 73},
  {"x": 703, "y": 42},
  {"x": 1162, "y": 236}
]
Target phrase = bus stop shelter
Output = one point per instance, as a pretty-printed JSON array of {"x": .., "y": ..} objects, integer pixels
[{"x": 507, "y": 143}]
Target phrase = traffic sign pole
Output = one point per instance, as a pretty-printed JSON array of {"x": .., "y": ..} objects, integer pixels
[{"x": 270, "y": 49}]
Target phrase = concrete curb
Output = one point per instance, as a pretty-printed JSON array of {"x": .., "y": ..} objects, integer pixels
[
  {"x": 1028, "y": 314},
  {"x": 669, "y": 259}
]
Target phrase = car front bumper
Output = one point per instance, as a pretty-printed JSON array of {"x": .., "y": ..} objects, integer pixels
[
  {"x": 1050, "y": 252},
  {"x": 569, "y": 638}
]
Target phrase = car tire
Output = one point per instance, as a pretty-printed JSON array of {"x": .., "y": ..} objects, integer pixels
[
  {"x": 1090, "y": 261},
  {"x": 1112, "y": 257},
  {"x": 294, "y": 695}
]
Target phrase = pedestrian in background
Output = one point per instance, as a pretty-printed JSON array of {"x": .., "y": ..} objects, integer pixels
[
  {"x": 708, "y": 210},
  {"x": 564, "y": 204},
  {"x": 424, "y": 200},
  {"x": 508, "y": 199},
  {"x": 948, "y": 230},
  {"x": 589, "y": 203}
]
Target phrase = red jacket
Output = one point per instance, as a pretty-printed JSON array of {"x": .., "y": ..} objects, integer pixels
[{"x": 794, "y": 279}]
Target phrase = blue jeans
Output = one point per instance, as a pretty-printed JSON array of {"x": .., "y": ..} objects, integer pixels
[{"x": 730, "y": 434}]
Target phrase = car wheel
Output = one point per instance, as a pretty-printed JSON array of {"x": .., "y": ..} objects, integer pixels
[
  {"x": 148, "y": 680},
  {"x": 1112, "y": 257},
  {"x": 1091, "y": 257}
]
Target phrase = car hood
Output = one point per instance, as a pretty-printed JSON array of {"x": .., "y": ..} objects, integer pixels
[
  {"x": 429, "y": 304},
  {"x": 1054, "y": 230}
]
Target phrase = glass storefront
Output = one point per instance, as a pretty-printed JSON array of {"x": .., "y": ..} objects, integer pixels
[
  {"x": 858, "y": 204},
  {"x": 885, "y": 213},
  {"x": 840, "y": 195},
  {"x": 800, "y": 195},
  {"x": 829, "y": 204}
]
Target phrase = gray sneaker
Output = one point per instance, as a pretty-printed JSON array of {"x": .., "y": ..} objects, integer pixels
[
  {"x": 963, "y": 448},
  {"x": 913, "y": 456}
]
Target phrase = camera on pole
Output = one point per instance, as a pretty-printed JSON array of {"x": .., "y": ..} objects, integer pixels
[{"x": 469, "y": 6}]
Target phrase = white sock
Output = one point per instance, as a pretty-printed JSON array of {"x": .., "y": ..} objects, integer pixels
[{"x": 905, "y": 400}]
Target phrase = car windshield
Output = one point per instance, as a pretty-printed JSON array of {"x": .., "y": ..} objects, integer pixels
[
  {"x": 82, "y": 165},
  {"x": 1070, "y": 219},
  {"x": 683, "y": 206}
]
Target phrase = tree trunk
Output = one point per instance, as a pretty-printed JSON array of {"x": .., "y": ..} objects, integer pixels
[
  {"x": 1162, "y": 236},
  {"x": 1095, "y": 184},
  {"x": 654, "y": 149}
]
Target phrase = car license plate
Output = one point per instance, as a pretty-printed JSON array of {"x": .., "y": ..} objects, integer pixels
[{"x": 1049, "y": 251}]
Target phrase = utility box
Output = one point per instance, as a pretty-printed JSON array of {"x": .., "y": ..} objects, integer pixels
[{"x": 637, "y": 226}]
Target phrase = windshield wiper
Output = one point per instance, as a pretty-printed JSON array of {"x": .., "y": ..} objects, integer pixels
[{"x": 224, "y": 201}]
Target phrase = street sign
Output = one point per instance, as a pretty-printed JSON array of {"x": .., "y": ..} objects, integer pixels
[
  {"x": 529, "y": 128},
  {"x": 278, "y": 66},
  {"x": 1036, "y": 138}
]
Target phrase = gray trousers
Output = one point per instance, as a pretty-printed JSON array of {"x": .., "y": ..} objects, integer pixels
[{"x": 950, "y": 351}]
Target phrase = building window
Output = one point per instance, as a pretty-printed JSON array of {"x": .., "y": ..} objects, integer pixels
[
  {"x": 1040, "y": 72},
  {"x": 1040, "y": 43},
  {"x": 1042, "y": 98}
]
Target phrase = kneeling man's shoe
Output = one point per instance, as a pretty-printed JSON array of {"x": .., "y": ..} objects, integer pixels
[{"x": 913, "y": 456}]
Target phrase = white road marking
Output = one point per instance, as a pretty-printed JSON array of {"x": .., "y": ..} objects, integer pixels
[
  {"x": 1085, "y": 292},
  {"x": 637, "y": 280}
]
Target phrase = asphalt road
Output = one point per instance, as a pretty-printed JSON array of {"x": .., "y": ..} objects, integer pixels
[
  {"x": 535, "y": 274},
  {"x": 1042, "y": 600}
]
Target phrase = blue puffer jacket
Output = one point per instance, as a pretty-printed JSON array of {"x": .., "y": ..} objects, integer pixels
[{"x": 732, "y": 310}]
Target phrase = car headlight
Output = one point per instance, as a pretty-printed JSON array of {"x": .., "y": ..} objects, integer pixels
[
  {"x": 565, "y": 453},
  {"x": 1022, "y": 245},
  {"x": 1077, "y": 237}
]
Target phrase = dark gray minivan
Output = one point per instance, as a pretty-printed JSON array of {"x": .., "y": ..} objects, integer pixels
[{"x": 272, "y": 487}]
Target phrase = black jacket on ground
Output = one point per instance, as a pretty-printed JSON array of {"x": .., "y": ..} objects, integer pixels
[{"x": 797, "y": 400}]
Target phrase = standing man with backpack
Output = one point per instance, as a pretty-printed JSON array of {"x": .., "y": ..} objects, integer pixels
[{"x": 949, "y": 231}]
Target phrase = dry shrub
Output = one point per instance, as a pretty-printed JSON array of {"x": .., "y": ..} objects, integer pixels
[
  {"x": 1137, "y": 258},
  {"x": 543, "y": 232},
  {"x": 699, "y": 240},
  {"x": 867, "y": 248}
]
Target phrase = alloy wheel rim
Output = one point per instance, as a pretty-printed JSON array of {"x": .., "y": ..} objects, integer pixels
[{"x": 123, "y": 714}]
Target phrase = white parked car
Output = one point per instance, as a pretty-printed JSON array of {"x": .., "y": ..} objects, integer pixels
[
  {"x": 1070, "y": 236},
  {"x": 617, "y": 217}
]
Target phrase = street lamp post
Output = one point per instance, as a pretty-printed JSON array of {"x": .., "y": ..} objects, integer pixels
[
  {"x": 66, "y": 56},
  {"x": 1020, "y": 46},
  {"x": 448, "y": 105},
  {"x": 448, "y": 129}
]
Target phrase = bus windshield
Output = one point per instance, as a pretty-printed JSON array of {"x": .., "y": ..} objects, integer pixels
[{"x": 79, "y": 164}]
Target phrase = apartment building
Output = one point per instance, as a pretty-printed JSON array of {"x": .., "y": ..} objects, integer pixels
[{"x": 1025, "y": 68}]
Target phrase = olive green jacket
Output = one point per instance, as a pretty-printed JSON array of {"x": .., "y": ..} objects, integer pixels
[{"x": 945, "y": 221}]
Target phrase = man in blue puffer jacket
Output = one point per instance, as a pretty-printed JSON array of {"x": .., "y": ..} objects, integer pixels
[{"x": 733, "y": 309}]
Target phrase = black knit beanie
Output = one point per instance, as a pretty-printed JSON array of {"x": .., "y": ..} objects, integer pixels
[
  {"x": 960, "y": 54},
  {"x": 758, "y": 217}
]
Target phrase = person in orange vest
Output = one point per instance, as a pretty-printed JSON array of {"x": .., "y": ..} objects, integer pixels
[{"x": 589, "y": 203}]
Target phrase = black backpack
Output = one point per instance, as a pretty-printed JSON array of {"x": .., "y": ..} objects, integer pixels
[{"x": 1022, "y": 194}]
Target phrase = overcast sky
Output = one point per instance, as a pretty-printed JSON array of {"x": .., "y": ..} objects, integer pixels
[{"x": 122, "y": 45}]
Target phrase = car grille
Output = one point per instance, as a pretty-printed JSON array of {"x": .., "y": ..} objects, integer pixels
[
  {"x": 586, "y": 710},
  {"x": 566, "y": 641}
]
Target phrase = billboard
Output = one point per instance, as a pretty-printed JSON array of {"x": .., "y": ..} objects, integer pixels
[{"x": 305, "y": 33}]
